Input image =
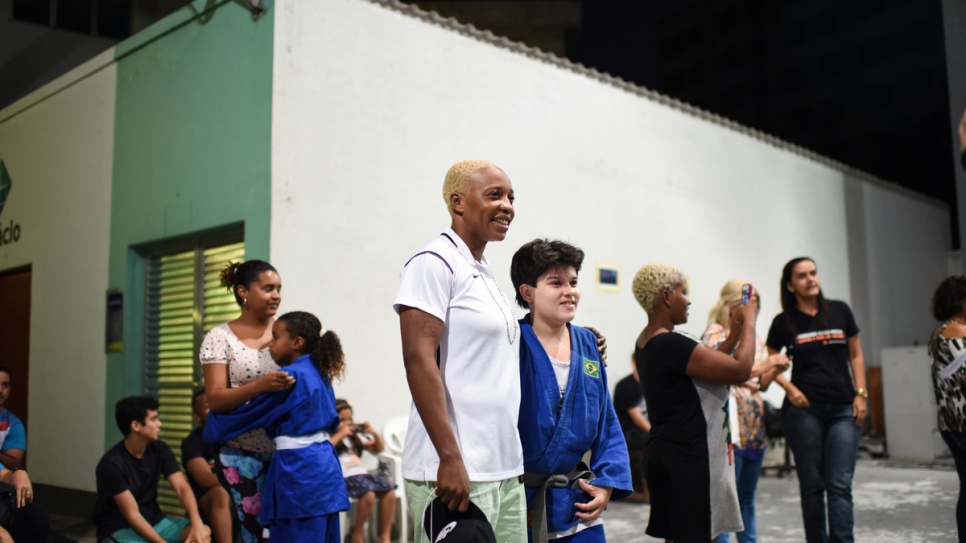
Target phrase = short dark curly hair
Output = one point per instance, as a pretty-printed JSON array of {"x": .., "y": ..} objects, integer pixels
[
  {"x": 538, "y": 257},
  {"x": 949, "y": 298}
]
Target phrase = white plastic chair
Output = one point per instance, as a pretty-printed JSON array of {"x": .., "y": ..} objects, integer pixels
[
  {"x": 390, "y": 465},
  {"x": 394, "y": 434}
]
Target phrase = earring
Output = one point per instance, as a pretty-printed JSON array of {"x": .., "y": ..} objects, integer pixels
[{"x": 246, "y": 303}]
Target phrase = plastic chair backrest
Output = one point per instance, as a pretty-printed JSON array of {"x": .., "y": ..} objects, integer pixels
[{"x": 394, "y": 434}]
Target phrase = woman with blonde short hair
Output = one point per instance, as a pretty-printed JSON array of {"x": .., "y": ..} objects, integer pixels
[{"x": 689, "y": 466}]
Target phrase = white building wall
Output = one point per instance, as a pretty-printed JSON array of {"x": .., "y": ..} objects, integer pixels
[
  {"x": 898, "y": 255},
  {"x": 57, "y": 145},
  {"x": 371, "y": 106}
]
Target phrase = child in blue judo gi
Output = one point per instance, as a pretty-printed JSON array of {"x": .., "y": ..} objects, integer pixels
[
  {"x": 565, "y": 407},
  {"x": 304, "y": 489}
]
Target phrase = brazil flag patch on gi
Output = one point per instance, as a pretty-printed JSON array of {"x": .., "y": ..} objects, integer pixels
[{"x": 592, "y": 368}]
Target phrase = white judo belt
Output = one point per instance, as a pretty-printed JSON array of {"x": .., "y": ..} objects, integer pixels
[{"x": 299, "y": 442}]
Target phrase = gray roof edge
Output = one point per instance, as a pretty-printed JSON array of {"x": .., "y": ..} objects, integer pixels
[{"x": 486, "y": 36}]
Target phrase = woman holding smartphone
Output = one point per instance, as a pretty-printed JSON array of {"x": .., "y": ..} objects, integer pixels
[
  {"x": 825, "y": 401},
  {"x": 690, "y": 469}
]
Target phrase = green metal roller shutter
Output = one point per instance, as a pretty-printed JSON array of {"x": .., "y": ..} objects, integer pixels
[{"x": 184, "y": 301}]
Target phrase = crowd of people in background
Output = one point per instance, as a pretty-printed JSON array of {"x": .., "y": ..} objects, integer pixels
[{"x": 505, "y": 411}]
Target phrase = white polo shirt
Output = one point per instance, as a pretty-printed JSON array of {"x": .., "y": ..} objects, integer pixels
[{"x": 479, "y": 361}]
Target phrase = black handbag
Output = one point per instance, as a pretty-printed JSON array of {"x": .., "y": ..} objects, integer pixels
[{"x": 773, "y": 421}]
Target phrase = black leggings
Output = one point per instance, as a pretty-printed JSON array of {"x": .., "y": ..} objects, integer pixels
[{"x": 956, "y": 441}]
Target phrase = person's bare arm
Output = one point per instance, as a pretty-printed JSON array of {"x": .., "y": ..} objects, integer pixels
[
  {"x": 375, "y": 445},
  {"x": 728, "y": 345},
  {"x": 21, "y": 484},
  {"x": 731, "y": 339},
  {"x": 857, "y": 362},
  {"x": 200, "y": 473},
  {"x": 774, "y": 366},
  {"x": 196, "y": 531},
  {"x": 222, "y": 398},
  {"x": 795, "y": 396},
  {"x": 715, "y": 366},
  {"x": 129, "y": 508},
  {"x": 638, "y": 418},
  {"x": 12, "y": 458},
  {"x": 421, "y": 334},
  {"x": 343, "y": 431}
]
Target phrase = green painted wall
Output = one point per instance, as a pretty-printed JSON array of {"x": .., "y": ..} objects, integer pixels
[{"x": 192, "y": 150}]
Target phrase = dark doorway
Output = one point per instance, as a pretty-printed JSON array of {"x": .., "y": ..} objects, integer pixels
[{"x": 15, "y": 337}]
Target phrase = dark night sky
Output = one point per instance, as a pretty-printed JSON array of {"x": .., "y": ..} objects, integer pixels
[{"x": 862, "y": 82}]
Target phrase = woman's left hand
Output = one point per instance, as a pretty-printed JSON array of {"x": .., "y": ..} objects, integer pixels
[
  {"x": 600, "y": 496},
  {"x": 858, "y": 410},
  {"x": 25, "y": 490}
]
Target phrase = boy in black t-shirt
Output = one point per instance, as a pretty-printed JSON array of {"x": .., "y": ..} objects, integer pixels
[
  {"x": 127, "y": 483},
  {"x": 198, "y": 458}
]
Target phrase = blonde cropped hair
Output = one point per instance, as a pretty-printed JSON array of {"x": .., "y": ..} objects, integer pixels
[
  {"x": 459, "y": 174},
  {"x": 653, "y": 279},
  {"x": 730, "y": 294}
]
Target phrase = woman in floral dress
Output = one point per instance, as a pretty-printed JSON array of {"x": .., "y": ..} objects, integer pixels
[{"x": 749, "y": 449}]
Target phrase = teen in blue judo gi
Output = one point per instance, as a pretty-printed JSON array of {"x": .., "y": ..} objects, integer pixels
[
  {"x": 565, "y": 409},
  {"x": 304, "y": 489}
]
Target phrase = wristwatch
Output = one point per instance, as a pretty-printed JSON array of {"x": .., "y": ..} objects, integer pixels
[{"x": 862, "y": 392}]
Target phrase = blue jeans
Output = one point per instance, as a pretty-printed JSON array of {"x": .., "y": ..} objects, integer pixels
[
  {"x": 825, "y": 442},
  {"x": 956, "y": 441},
  {"x": 747, "y": 472}
]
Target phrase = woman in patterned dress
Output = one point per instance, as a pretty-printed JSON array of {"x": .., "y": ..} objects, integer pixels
[
  {"x": 947, "y": 347},
  {"x": 750, "y": 449},
  {"x": 237, "y": 368}
]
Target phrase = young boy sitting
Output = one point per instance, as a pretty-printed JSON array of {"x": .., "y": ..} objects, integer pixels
[
  {"x": 127, "y": 483},
  {"x": 198, "y": 458},
  {"x": 565, "y": 407}
]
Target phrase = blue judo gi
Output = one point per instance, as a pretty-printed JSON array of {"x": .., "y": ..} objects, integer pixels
[
  {"x": 304, "y": 488},
  {"x": 555, "y": 437}
]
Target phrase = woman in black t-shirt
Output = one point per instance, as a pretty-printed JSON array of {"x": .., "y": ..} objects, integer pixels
[
  {"x": 689, "y": 468},
  {"x": 825, "y": 400}
]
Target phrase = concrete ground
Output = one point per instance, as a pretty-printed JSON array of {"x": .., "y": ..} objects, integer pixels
[{"x": 895, "y": 502}]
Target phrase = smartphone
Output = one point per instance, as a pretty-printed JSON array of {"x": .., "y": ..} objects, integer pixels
[{"x": 746, "y": 293}]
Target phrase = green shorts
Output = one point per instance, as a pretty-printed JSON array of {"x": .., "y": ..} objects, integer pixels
[
  {"x": 503, "y": 502},
  {"x": 168, "y": 528}
]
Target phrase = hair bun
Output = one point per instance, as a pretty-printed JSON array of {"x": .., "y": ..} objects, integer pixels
[{"x": 228, "y": 273}]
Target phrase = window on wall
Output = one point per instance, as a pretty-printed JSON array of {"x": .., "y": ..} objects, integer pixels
[{"x": 184, "y": 300}]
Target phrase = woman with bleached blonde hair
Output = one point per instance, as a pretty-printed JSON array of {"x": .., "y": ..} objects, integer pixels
[
  {"x": 685, "y": 383},
  {"x": 746, "y": 405}
]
